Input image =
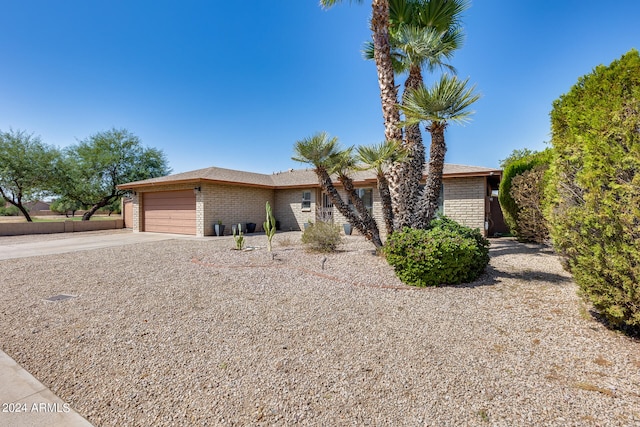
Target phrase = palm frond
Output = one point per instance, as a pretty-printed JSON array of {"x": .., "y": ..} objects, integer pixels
[
  {"x": 341, "y": 162},
  {"x": 380, "y": 156},
  {"x": 326, "y": 4},
  {"x": 426, "y": 47},
  {"x": 447, "y": 100},
  {"x": 440, "y": 14},
  {"x": 316, "y": 150}
]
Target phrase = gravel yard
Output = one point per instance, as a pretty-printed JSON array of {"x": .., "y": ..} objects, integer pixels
[{"x": 189, "y": 332}]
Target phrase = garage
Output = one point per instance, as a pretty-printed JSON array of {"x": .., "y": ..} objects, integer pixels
[{"x": 170, "y": 212}]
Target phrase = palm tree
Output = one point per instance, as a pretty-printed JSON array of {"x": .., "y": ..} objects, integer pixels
[
  {"x": 421, "y": 47},
  {"x": 324, "y": 154},
  {"x": 446, "y": 101},
  {"x": 423, "y": 34},
  {"x": 379, "y": 158},
  {"x": 343, "y": 164},
  {"x": 384, "y": 65}
]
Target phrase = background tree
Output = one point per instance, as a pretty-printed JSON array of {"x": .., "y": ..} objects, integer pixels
[
  {"x": 114, "y": 207},
  {"x": 517, "y": 154},
  {"x": 595, "y": 187},
  {"x": 66, "y": 206},
  {"x": 93, "y": 168},
  {"x": 26, "y": 168},
  {"x": 446, "y": 101}
]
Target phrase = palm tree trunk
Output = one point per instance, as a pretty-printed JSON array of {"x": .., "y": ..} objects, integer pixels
[
  {"x": 382, "y": 56},
  {"x": 409, "y": 173},
  {"x": 386, "y": 82},
  {"x": 385, "y": 195},
  {"x": 372, "y": 232},
  {"x": 429, "y": 205},
  {"x": 359, "y": 223}
]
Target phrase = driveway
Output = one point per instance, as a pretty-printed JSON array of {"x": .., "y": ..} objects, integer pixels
[{"x": 50, "y": 244}]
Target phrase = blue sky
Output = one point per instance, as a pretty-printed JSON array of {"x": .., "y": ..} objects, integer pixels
[{"x": 235, "y": 84}]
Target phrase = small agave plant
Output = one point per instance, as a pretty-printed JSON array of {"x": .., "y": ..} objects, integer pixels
[{"x": 238, "y": 236}]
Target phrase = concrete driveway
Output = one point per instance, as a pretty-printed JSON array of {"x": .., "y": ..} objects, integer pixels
[{"x": 49, "y": 244}]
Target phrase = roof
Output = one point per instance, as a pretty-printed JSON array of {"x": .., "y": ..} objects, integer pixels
[{"x": 292, "y": 178}]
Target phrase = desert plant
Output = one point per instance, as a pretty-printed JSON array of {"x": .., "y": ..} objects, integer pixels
[
  {"x": 322, "y": 237},
  {"x": 238, "y": 236},
  {"x": 527, "y": 191},
  {"x": 445, "y": 253},
  {"x": 595, "y": 188},
  {"x": 269, "y": 226}
]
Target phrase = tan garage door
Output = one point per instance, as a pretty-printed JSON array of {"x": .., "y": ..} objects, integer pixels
[{"x": 170, "y": 212}]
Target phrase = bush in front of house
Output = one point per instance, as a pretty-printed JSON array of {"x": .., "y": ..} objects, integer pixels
[
  {"x": 527, "y": 191},
  {"x": 531, "y": 199},
  {"x": 322, "y": 237},
  {"x": 594, "y": 188},
  {"x": 446, "y": 253}
]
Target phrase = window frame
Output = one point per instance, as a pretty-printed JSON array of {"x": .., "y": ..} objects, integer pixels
[
  {"x": 361, "y": 192},
  {"x": 306, "y": 200}
]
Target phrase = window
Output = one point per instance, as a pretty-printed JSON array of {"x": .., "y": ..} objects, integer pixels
[
  {"x": 366, "y": 194},
  {"x": 306, "y": 201},
  {"x": 440, "y": 211}
]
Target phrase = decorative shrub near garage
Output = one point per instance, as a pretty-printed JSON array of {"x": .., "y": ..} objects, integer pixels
[{"x": 446, "y": 253}]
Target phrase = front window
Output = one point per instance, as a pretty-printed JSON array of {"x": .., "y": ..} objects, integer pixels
[
  {"x": 306, "y": 200},
  {"x": 366, "y": 194},
  {"x": 440, "y": 211}
]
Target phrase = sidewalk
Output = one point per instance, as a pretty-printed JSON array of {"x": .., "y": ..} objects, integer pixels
[{"x": 25, "y": 402}]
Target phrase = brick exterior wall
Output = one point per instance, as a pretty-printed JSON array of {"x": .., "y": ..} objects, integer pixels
[
  {"x": 234, "y": 204},
  {"x": 464, "y": 200},
  {"x": 376, "y": 209},
  {"x": 287, "y": 208}
]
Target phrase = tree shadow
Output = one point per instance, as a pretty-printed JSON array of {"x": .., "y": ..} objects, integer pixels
[
  {"x": 527, "y": 273},
  {"x": 509, "y": 246}
]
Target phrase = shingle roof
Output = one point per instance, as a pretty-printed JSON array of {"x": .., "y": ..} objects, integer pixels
[{"x": 290, "y": 178}]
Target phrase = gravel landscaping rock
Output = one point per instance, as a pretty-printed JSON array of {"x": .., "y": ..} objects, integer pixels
[{"x": 190, "y": 332}]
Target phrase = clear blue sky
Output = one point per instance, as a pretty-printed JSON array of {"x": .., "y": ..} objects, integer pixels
[{"x": 235, "y": 84}]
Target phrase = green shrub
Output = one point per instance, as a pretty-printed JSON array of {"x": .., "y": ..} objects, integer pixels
[
  {"x": 595, "y": 187},
  {"x": 322, "y": 237},
  {"x": 513, "y": 167},
  {"x": 446, "y": 253},
  {"x": 527, "y": 191},
  {"x": 9, "y": 211}
]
